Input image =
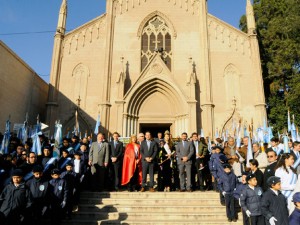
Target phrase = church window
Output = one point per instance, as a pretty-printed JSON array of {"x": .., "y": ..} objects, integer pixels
[{"x": 156, "y": 38}]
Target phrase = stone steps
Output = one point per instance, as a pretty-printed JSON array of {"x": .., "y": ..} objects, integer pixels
[
  {"x": 159, "y": 208},
  {"x": 154, "y": 209},
  {"x": 149, "y": 216},
  {"x": 158, "y": 222}
]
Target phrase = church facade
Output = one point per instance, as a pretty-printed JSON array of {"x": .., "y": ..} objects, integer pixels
[{"x": 164, "y": 64}]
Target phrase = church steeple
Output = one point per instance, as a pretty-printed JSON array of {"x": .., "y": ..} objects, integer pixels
[
  {"x": 52, "y": 103},
  {"x": 61, "y": 25},
  {"x": 250, "y": 18}
]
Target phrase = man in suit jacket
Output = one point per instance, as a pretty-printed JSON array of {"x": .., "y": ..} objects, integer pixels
[
  {"x": 116, "y": 155},
  {"x": 296, "y": 153},
  {"x": 98, "y": 160},
  {"x": 270, "y": 169},
  {"x": 200, "y": 162},
  {"x": 148, "y": 151},
  {"x": 185, "y": 150}
]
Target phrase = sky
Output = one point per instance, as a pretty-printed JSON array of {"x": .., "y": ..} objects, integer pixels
[{"x": 27, "y": 16}]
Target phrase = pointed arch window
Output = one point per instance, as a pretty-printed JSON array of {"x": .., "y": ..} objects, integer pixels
[{"x": 156, "y": 37}]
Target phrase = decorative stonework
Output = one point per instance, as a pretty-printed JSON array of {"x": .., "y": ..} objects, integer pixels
[
  {"x": 229, "y": 36},
  {"x": 156, "y": 68},
  {"x": 85, "y": 34},
  {"x": 80, "y": 78},
  {"x": 232, "y": 84},
  {"x": 190, "y": 6},
  {"x": 161, "y": 15}
]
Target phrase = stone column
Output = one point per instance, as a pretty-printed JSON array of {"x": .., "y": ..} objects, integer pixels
[
  {"x": 206, "y": 98},
  {"x": 106, "y": 82}
]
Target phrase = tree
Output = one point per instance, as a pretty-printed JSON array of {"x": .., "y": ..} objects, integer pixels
[{"x": 278, "y": 32}]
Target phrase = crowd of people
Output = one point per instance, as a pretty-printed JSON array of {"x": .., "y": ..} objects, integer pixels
[{"x": 265, "y": 185}]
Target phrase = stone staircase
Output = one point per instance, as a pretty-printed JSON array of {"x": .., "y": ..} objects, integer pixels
[{"x": 158, "y": 208}]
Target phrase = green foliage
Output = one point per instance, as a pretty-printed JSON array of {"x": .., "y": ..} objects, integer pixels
[{"x": 278, "y": 32}]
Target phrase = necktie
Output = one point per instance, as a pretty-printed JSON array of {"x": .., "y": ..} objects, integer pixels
[
  {"x": 183, "y": 143},
  {"x": 115, "y": 144},
  {"x": 148, "y": 144}
]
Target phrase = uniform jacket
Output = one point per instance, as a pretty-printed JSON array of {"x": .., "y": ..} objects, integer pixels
[
  {"x": 273, "y": 205},
  {"x": 251, "y": 200},
  {"x": 238, "y": 190},
  {"x": 71, "y": 178},
  {"x": 214, "y": 160},
  {"x": 39, "y": 189},
  {"x": 59, "y": 190},
  {"x": 187, "y": 151},
  {"x": 227, "y": 182},
  {"x": 14, "y": 200},
  {"x": 294, "y": 218}
]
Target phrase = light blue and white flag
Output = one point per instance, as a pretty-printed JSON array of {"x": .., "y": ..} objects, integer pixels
[
  {"x": 286, "y": 144},
  {"x": 6, "y": 138},
  {"x": 289, "y": 121},
  {"x": 217, "y": 133},
  {"x": 249, "y": 152},
  {"x": 202, "y": 133},
  {"x": 98, "y": 124},
  {"x": 36, "y": 145},
  {"x": 246, "y": 133},
  {"x": 293, "y": 130},
  {"x": 58, "y": 134}
]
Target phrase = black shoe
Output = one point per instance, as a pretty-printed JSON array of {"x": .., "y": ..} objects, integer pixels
[
  {"x": 234, "y": 220},
  {"x": 229, "y": 220}
]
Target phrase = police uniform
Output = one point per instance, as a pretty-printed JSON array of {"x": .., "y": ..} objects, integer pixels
[
  {"x": 294, "y": 218},
  {"x": 274, "y": 204},
  {"x": 39, "y": 189},
  {"x": 227, "y": 184},
  {"x": 251, "y": 203},
  {"x": 16, "y": 200},
  {"x": 58, "y": 197},
  {"x": 72, "y": 184}
]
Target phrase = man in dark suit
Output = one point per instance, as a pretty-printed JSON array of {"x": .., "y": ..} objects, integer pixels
[
  {"x": 98, "y": 160},
  {"x": 296, "y": 153},
  {"x": 116, "y": 153},
  {"x": 148, "y": 151},
  {"x": 184, "y": 151},
  {"x": 200, "y": 162},
  {"x": 270, "y": 169}
]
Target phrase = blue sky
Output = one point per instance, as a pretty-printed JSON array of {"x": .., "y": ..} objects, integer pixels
[{"x": 18, "y": 16}]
